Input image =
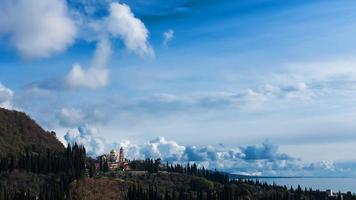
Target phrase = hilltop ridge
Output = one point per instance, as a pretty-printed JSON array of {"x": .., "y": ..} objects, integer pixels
[{"x": 19, "y": 132}]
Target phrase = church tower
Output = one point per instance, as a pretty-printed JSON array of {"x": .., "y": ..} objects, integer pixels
[
  {"x": 113, "y": 156},
  {"x": 121, "y": 155}
]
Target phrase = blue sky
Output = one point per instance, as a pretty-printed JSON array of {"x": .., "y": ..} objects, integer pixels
[{"x": 219, "y": 75}]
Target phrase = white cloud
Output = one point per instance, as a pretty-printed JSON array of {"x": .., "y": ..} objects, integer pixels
[
  {"x": 123, "y": 24},
  {"x": 120, "y": 23},
  {"x": 167, "y": 36},
  {"x": 97, "y": 75},
  {"x": 91, "y": 78},
  {"x": 37, "y": 28},
  {"x": 162, "y": 148},
  {"x": 87, "y": 136},
  {"x": 6, "y": 96}
]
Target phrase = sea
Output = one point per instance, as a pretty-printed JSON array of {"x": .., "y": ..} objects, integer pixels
[{"x": 335, "y": 184}]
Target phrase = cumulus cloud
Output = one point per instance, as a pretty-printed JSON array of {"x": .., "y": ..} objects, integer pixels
[
  {"x": 122, "y": 23},
  {"x": 86, "y": 136},
  {"x": 167, "y": 37},
  {"x": 119, "y": 24},
  {"x": 157, "y": 148},
  {"x": 113, "y": 20},
  {"x": 162, "y": 148},
  {"x": 97, "y": 75},
  {"x": 91, "y": 78},
  {"x": 6, "y": 96},
  {"x": 37, "y": 28},
  {"x": 267, "y": 151}
]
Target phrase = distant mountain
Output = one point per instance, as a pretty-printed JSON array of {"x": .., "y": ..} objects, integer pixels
[{"x": 19, "y": 132}]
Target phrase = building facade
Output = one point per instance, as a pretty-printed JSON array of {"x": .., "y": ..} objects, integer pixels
[{"x": 114, "y": 161}]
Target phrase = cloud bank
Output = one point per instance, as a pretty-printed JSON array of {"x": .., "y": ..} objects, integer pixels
[
  {"x": 264, "y": 159},
  {"x": 37, "y": 28}
]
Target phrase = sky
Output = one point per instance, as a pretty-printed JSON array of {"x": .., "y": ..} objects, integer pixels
[{"x": 252, "y": 87}]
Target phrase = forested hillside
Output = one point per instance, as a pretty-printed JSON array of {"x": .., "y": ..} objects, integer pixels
[
  {"x": 33, "y": 163},
  {"x": 19, "y": 132}
]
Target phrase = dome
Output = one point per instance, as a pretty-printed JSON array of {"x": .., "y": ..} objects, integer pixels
[{"x": 113, "y": 151}]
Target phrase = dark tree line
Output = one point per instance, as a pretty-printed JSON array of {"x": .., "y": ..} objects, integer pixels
[
  {"x": 194, "y": 170},
  {"x": 154, "y": 166},
  {"x": 59, "y": 168},
  {"x": 136, "y": 192},
  {"x": 149, "y": 165},
  {"x": 234, "y": 191}
]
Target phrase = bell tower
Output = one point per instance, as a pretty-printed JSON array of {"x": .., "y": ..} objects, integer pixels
[{"x": 121, "y": 155}]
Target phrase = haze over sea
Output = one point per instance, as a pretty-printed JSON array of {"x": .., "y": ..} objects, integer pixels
[{"x": 335, "y": 184}]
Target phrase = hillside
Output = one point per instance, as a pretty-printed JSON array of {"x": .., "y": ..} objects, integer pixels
[
  {"x": 19, "y": 132},
  {"x": 115, "y": 185},
  {"x": 177, "y": 186}
]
